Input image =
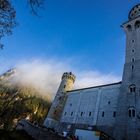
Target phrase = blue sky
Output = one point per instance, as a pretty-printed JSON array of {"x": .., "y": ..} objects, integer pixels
[{"x": 85, "y": 33}]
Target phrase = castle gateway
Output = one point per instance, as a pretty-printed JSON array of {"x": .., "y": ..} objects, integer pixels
[{"x": 114, "y": 108}]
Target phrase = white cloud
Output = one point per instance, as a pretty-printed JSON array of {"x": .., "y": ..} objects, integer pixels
[
  {"x": 94, "y": 78},
  {"x": 46, "y": 75}
]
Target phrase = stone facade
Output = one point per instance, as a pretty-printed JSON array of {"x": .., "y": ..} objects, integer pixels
[
  {"x": 128, "y": 122},
  {"x": 113, "y": 109},
  {"x": 91, "y": 107},
  {"x": 54, "y": 115}
]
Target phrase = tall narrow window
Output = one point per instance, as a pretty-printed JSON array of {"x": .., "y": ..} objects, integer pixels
[
  {"x": 114, "y": 114},
  {"x": 129, "y": 113},
  {"x": 65, "y": 113},
  {"x": 89, "y": 114},
  {"x": 133, "y": 113},
  {"x": 103, "y": 114},
  {"x": 81, "y": 113},
  {"x": 71, "y": 113},
  {"x": 133, "y": 59}
]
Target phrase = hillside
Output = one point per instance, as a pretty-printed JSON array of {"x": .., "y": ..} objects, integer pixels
[{"x": 19, "y": 101}]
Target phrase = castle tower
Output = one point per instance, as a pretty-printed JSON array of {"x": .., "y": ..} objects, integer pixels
[
  {"x": 57, "y": 106},
  {"x": 128, "y": 114}
]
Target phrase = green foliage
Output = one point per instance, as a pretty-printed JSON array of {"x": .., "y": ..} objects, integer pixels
[{"x": 18, "y": 102}]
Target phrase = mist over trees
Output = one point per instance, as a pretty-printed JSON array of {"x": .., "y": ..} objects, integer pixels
[
  {"x": 19, "y": 102},
  {"x": 8, "y": 16}
]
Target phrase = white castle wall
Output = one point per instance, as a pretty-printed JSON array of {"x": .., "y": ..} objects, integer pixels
[{"x": 86, "y": 106}]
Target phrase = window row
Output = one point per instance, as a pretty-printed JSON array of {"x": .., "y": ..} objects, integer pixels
[
  {"x": 89, "y": 114},
  {"x": 137, "y": 25},
  {"x": 81, "y": 114},
  {"x": 109, "y": 102},
  {"x": 131, "y": 113},
  {"x": 114, "y": 114}
]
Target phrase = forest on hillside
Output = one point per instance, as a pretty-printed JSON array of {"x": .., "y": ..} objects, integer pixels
[{"x": 20, "y": 102}]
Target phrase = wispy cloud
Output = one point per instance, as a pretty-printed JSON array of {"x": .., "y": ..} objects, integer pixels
[
  {"x": 94, "y": 78},
  {"x": 46, "y": 75}
]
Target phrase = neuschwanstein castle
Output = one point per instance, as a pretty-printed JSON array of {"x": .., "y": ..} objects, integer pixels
[{"x": 114, "y": 108}]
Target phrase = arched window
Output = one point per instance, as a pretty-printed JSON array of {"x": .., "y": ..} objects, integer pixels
[
  {"x": 137, "y": 24},
  {"x": 131, "y": 112},
  {"x": 129, "y": 28},
  {"x": 132, "y": 88}
]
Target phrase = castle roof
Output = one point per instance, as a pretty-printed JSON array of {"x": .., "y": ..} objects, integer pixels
[{"x": 117, "y": 83}]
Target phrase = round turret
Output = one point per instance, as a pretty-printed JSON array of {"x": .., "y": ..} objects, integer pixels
[
  {"x": 135, "y": 12},
  {"x": 69, "y": 75},
  {"x": 67, "y": 82},
  {"x": 56, "y": 109}
]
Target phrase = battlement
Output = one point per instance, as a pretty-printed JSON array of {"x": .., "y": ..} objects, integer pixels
[
  {"x": 69, "y": 75},
  {"x": 135, "y": 12}
]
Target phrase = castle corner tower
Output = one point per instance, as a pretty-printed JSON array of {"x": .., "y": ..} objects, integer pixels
[
  {"x": 128, "y": 113},
  {"x": 54, "y": 114}
]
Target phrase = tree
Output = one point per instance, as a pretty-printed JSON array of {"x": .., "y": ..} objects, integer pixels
[{"x": 8, "y": 16}]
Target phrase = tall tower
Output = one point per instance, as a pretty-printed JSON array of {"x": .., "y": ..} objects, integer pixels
[
  {"x": 57, "y": 106},
  {"x": 128, "y": 114}
]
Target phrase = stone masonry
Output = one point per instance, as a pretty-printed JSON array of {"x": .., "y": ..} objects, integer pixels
[{"x": 114, "y": 108}]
